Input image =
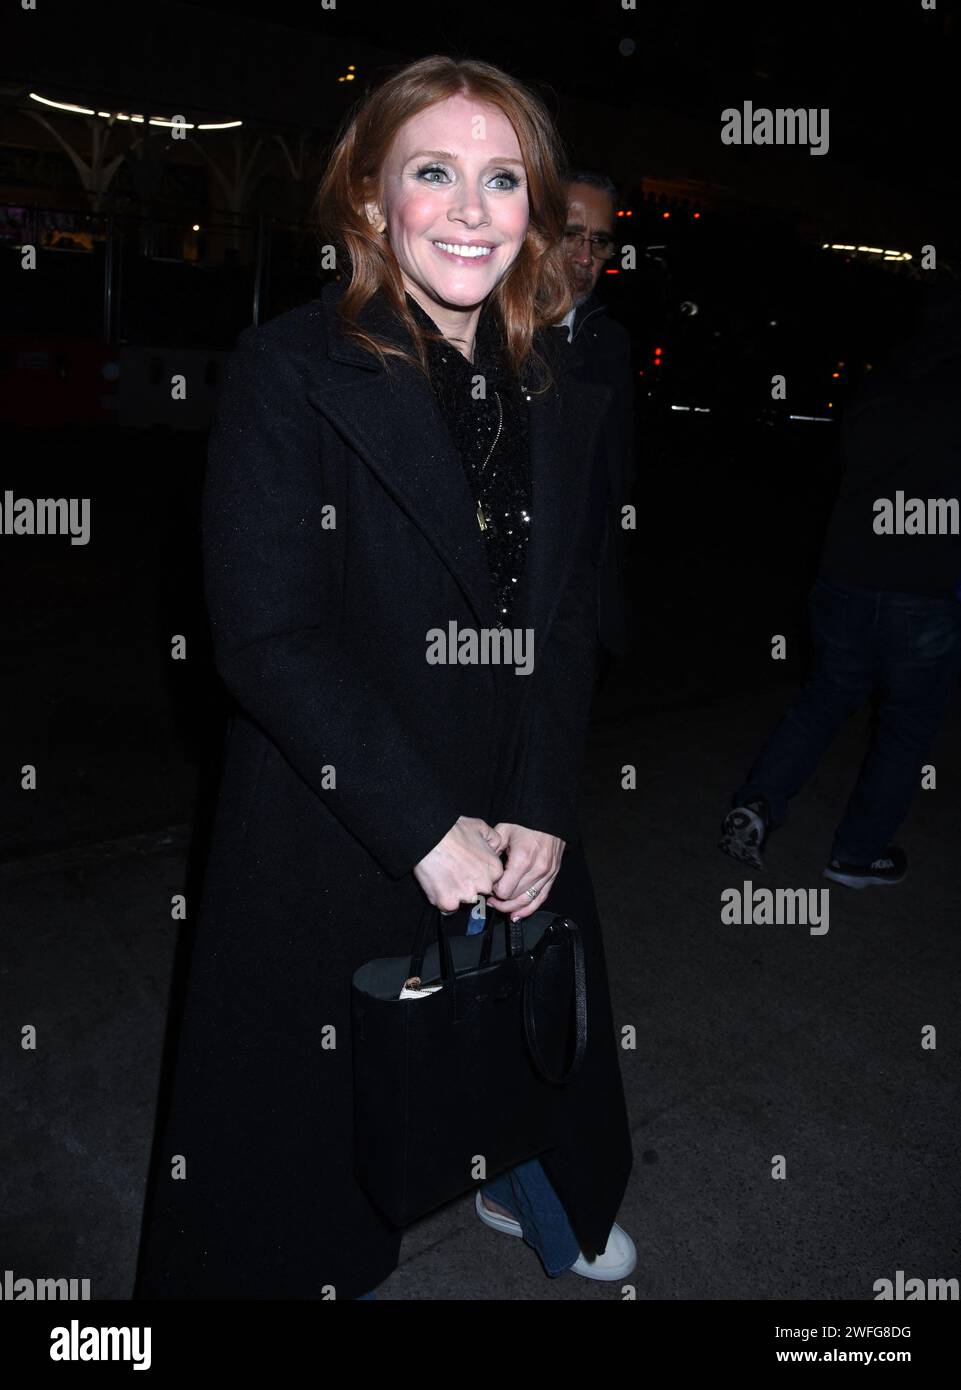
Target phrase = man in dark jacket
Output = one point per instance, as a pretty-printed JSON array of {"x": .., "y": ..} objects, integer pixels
[
  {"x": 602, "y": 354},
  {"x": 885, "y": 610}
]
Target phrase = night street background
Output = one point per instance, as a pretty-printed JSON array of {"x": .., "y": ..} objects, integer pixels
[{"x": 752, "y": 1040}]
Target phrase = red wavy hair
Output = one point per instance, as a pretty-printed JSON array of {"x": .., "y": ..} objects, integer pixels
[{"x": 535, "y": 293}]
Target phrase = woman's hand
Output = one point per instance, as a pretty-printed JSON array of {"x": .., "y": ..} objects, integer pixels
[
  {"x": 533, "y": 861},
  {"x": 463, "y": 865}
]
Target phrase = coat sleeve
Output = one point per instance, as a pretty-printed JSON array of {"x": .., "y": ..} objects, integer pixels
[{"x": 273, "y": 581}]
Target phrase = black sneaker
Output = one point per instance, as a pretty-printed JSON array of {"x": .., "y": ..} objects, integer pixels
[
  {"x": 890, "y": 868},
  {"x": 744, "y": 831}
]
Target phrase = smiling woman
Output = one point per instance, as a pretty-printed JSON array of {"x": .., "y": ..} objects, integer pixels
[
  {"x": 424, "y": 402},
  {"x": 452, "y": 209},
  {"x": 458, "y": 221}
]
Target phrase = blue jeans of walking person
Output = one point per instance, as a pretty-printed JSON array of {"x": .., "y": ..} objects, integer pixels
[
  {"x": 904, "y": 649},
  {"x": 528, "y": 1194}
]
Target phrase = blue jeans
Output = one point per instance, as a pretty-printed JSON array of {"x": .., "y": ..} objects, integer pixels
[
  {"x": 528, "y": 1194},
  {"x": 903, "y": 649}
]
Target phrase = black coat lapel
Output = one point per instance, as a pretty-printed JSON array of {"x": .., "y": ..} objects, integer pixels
[{"x": 400, "y": 433}]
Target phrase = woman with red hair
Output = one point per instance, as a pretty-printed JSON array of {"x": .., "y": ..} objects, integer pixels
[{"x": 403, "y": 454}]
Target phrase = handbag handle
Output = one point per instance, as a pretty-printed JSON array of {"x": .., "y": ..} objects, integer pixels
[
  {"x": 573, "y": 934},
  {"x": 420, "y": 946},
  {"x": 514, "y": 938},
  {"x": 514, "y": 941},
  {"x": 513, "y": 934}
]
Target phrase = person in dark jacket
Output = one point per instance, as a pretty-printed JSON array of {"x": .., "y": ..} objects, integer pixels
[
  {"x": 885, "y": 610},
  {"x": 602, "y": 354},
  {"x": 403, "y": 456}
]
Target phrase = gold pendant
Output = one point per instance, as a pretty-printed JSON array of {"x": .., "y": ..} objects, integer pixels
[{"x": 480, "y": 518}]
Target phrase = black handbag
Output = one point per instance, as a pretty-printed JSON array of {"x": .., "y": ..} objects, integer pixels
[{"x": 476, "y": 1069}]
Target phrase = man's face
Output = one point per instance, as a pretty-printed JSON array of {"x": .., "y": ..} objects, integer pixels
[
  {"x": 590, "y": 211},
  {"x": 455, "y": 175}
]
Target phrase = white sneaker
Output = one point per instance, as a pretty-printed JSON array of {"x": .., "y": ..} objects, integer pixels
[
  {"x": 495, "y": 1220},
  {"x": 616, "y": 1261}
]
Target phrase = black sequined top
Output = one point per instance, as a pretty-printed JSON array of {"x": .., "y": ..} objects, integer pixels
[{"x": 501, "y": 487}]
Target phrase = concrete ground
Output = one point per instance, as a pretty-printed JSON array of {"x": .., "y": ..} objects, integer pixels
[{"x": 752, "y": 1041}]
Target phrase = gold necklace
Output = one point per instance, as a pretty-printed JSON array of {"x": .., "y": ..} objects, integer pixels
[{"x": 481, "y": 519}]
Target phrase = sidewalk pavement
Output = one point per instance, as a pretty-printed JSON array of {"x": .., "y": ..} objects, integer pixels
[{"x": 752, "y": 1041}]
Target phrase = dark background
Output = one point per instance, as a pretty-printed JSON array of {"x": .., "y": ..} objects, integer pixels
[
  {"x": 751, "y": 1041},
  {"x": 742, "y": 491}
]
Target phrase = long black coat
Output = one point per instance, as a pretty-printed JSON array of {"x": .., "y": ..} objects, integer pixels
[{"x": 320, "y": 635}]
